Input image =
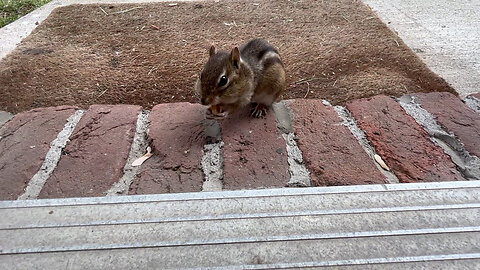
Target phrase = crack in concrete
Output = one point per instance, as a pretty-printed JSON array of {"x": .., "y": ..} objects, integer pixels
[
  {"x": 350, "y": 123},
  {"x": 299, "y": 175},
  {"x": 52, "y": 157},
  {"x": 468, "y": 164},
  {"x": 137, "y": 149}
]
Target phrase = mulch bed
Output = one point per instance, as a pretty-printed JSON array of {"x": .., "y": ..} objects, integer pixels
[{"x": 148, "y": 54}]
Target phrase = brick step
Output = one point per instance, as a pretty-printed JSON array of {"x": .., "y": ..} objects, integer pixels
[{"x": 299, "y": 143}]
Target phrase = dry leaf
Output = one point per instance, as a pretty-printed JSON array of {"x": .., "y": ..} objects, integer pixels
[
  {"x": 380, "y": 161},
  {"x": 139, "y": 161}
]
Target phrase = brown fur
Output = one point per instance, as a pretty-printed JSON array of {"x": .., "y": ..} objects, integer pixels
[{"x": 255, "y": 74}]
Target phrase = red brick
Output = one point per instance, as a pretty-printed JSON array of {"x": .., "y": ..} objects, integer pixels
[
  {"x": 95, "y": 156},
  {"x": 330, "y": 151},
  {"x": 254, "y": 152},
  {"x": 177, "y": 136},
  {"x": 401, "y": 142},
  {"x": 454, "y": 116},
  {"x": 25, "y": 140}
]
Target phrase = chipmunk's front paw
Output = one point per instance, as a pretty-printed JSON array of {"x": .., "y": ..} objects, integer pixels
[{"x": 216, "y": 112}]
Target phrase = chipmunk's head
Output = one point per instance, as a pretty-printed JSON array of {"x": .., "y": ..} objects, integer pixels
[{"x": 221, "y": 81}]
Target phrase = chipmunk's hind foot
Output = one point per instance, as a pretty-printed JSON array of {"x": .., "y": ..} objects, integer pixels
[{"x": 259, "y": 110}]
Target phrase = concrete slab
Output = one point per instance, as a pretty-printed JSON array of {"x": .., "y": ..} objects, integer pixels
[
  {"x": 443, "y": 33},
  {"x": 409, "y": 226}
]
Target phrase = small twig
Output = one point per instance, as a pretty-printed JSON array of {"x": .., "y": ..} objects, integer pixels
[
  {"x": 134, "y": 58},
  {"x": 125, "y": 11},
  {"x": 346, "y": 19},
  {"x": 334, "y": 83},
  {"x": 398, "y": 45},
  {"x": 230, "y": 24},
  {"x": 106, "y": 14},
  {"x": 156, "y": 27},
  {"x": 308, "y": 90},
  {"x": 152, "y": 69},
  {"x": 368, "y": 18},
  {"x": 306, "y": 80},
  {"x": 103, "y": 92}
]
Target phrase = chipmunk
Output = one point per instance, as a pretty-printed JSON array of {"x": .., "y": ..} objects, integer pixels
[{"x": 252, "y": 73}]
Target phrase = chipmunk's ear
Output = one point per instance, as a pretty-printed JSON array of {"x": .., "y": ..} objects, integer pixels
[
  {"x": 235, "y": 57},
  {"x": 212, "y": 50}
]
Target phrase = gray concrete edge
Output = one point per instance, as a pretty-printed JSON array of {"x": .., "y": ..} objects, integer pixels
[
  {"x": 5, "y": 117},
  {"x": 279, "y": 192}
]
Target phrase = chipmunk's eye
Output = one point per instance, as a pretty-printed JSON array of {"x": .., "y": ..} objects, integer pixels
[{"x": 223, "y": 81}]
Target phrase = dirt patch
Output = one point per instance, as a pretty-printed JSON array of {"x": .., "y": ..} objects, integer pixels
[{"x": 152, "y": 53}]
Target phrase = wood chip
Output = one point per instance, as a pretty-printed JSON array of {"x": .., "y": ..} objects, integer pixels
[
  {"x": 139, "y": 161},
  {"x": 380, "y": 162}
]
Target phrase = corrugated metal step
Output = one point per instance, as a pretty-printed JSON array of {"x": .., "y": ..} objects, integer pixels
[{"x": 432, "y": 225}]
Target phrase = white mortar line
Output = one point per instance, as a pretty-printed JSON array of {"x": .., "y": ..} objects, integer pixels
[
  {"x": 473, "y": 103},
  {"x": 212, "y": 164},
  {"x": 467, "y": 164},
  {"x": 299, "y": 175},
  {"x": 137, "y": 149},
  {"x": 212, "y": 159},
  {"x": 350, "y": 123},
  {"x": 52, "y": 157}
]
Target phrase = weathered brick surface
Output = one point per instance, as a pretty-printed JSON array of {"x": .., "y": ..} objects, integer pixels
[
  {"x": 254, "y": 152},
  {"x": 331, "y": 153},
  {"x": 95, "y": 156},
  {"x": 24, "y": 142},
  {"x": 454, "y": 116},
  {"x": 177, "y": 135},
  {"x": 401, "y": 142}
]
